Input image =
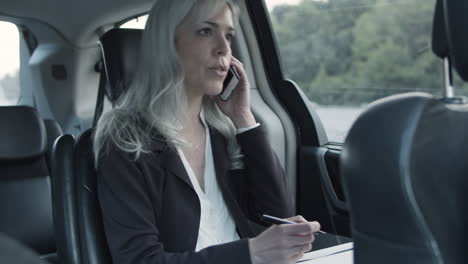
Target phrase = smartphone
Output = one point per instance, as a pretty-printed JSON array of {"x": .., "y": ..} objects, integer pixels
[{"x": 230, "y": 83}]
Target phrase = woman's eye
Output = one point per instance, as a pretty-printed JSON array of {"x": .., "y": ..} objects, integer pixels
[
  {"x": 229, "y": 37},
  {"x": 204, "y": 32}
]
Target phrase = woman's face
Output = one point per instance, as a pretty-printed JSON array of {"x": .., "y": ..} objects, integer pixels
[{"x": 205, "y": 53}]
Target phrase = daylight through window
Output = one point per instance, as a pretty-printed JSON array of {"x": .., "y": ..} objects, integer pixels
[
  {"x": 345, "y": 54},
  {"x": 9, "y": 64}
]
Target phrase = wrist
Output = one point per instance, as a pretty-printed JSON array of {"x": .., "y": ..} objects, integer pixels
[{"x": 244, "y": 120}]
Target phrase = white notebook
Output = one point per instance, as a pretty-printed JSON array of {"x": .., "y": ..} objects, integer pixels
[{"x": 341, "y": 254}]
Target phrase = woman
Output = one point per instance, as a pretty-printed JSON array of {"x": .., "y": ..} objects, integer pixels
[{"x": 183, "y": 176}]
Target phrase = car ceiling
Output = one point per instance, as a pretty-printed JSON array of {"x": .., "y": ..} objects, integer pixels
[{"x": 76, "y": 20}]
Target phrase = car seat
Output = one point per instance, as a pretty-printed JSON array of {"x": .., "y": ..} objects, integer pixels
[
  {"x": 83, "y": 232},
  {"x": 25, "y": 191},
  {"x": 404, "y": 168}
]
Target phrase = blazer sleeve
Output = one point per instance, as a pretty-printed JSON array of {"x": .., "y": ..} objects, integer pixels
[
  {"x": 131, "y": 229},
  {"x": 265, "y": 189}
]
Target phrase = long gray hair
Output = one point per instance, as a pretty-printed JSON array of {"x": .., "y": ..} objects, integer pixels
[{"x": 156, "y": 95}]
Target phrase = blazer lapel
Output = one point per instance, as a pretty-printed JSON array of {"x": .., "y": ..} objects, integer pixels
[
  {"x": 223, "y": 175},
  {"x": 170, "y": 160}
]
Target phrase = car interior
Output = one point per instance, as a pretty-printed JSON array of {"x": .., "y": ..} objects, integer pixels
[{"x": 394, "y": 185}]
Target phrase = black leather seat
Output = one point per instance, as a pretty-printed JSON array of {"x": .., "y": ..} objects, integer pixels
[
  {"x": 120, "y": 51},
  {"x": 93, "y": 245},
  {"x": 25, "y": 191},
  {"x": 77, "y": 194},
  {"x": 65, "y": 200},
  {"x": 11, "y": 251},
  {"x": 53, "y": 131},
  {"x": 404, "y": 169}
]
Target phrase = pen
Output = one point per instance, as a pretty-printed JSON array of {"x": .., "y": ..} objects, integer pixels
[
  {"x": 279, "y": 221},
  {"x": 275, "y": 220}
]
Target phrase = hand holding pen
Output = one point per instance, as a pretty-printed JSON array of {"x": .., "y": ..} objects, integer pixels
[
  {"x": 283, "y": 243},
  {"x": 278, "y": 221}
]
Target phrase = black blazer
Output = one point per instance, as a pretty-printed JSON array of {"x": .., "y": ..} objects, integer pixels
[{"x": 151, "y": 212}]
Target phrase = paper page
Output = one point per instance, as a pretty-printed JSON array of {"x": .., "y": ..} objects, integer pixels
[
  {"x": 345, "y": 257},
  {"x": 327, "y": 252}
]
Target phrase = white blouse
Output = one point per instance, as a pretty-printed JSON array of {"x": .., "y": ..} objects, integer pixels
[{"x": 216, "y": 223}]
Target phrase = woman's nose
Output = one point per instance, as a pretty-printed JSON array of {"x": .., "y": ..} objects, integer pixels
[{"x": 222, "y": 47}]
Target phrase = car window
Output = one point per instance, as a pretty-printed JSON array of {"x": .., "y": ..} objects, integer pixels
[
  {"x": 345, "y": 54},
  {"x": 137, "y": 23},
  {"x": 9, "y": 64}
]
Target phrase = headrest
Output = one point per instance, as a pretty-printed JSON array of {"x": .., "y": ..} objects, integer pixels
[
  {"x": 403, "y": 199},
  {"x": 449, "y": 34},
  {"x": 120, "y": 49},
  {"x": 439, "y": 33},
  {"x": 22, "y": 133},
  {"x": 457, "y": 21}
]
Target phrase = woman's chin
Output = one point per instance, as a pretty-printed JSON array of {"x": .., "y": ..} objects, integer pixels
[{"x": 214, "y": 90}]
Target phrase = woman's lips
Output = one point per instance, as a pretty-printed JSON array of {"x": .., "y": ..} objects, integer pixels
[{"x": 219, "y": 71}]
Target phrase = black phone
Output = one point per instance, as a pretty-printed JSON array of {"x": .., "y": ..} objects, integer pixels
[{"x": 229, "y": 84}]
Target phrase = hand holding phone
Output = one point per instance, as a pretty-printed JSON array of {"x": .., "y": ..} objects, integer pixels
[{"x": 230, "y": 83}]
